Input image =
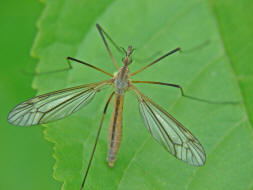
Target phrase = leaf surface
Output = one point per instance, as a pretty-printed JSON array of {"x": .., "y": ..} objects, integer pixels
[{"x": 204, "y": 69}]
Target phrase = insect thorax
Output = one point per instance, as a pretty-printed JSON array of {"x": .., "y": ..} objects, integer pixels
[{"x": 121, "y": 81}]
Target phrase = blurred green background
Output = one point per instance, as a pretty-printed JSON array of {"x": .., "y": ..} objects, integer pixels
[{"x": 26, "y": 161}]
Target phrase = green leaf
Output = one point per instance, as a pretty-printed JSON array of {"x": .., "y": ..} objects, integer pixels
[
  {"x": 204, "y": 70},
  {"x": 25, "y": 159}
]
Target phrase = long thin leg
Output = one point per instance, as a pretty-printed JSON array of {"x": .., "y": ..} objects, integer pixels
[
  {"x": 87, "y": 64},
  {"x": 102, "y": 32},
  {"x": 183, "y": 94},
  {"x": 147, "y": 59},
  {"x": 121, "y": 50},
  {"x": 95, "y": 145},
  {"x": 70, "y": 67},
  {"x": 155, "y": 61}
]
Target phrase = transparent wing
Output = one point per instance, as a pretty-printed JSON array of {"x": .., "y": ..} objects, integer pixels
[
  {"x": 53, "y": 106},
  {"x": 170, "y": 133}
]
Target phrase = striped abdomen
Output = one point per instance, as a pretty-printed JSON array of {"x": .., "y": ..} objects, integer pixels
[{"x": 115, "y": 130}]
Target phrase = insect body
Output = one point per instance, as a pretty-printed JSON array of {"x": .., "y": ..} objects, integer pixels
[
  {"x": 165, "y": 129},
  {"x": 121, "y": 84}
]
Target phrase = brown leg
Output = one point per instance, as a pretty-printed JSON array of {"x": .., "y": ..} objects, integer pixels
[
  {"x": 102, "y": 33},
  {"x": 155, "y": 61},
  {"x": 183, "y": 94},
  {"x": 70, "y": 67},
  {"x": 87, "y": 64},
  {"x": 95, "y": 145}
]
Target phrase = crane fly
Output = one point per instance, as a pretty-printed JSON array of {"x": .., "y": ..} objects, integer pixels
[{"x": 165, "y": 129}]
